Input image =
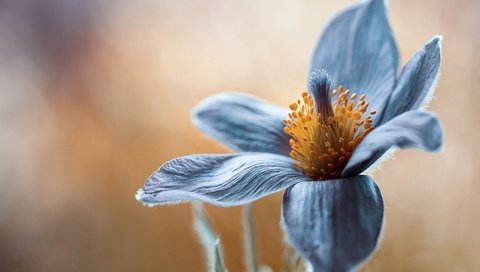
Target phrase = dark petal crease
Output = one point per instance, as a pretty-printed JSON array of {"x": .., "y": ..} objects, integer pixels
[
  {"x": 243, "y": 123},
  {"x": 413, "y": 129},
  {"x": 223, "y": 180},
  {"x": 358, "y": 50},
  {"x": 334, "y": 224},
  {"x": 417, "y": 81}
]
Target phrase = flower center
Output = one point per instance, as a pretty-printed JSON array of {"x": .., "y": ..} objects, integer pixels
[{"x": 322, "y": 145}]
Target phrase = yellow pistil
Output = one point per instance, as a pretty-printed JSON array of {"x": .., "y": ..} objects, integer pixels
[{"x": 322, "y": 145}]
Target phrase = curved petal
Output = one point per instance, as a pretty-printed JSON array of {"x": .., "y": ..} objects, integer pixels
[
  {"x": 223, "y": 180},
  {"x": 417, "y": 129},
  {"x": 334, "y": 224},
  {"x": 243, "y": 123},
  {"x": 358, "y": 50},
  {"x": 416, "y": 82}
]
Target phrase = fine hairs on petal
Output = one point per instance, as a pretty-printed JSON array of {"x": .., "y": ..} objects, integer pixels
[
  {"x": 428, "y": 98},
  {"x": 376, "y": 166},
  {"x": 416, "y": 82},
  {"x": 209, "y": 239}
]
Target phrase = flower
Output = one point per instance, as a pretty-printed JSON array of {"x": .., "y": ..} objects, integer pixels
[{"x": 332, "y": 213}]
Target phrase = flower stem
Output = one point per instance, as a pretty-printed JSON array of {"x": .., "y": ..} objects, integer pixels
[
  {"x": 251, "y": 252},
  {"x": 209, "y": 239}
]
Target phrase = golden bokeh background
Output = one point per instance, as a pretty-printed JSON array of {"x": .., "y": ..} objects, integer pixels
[{"x": 95, "y": 95}]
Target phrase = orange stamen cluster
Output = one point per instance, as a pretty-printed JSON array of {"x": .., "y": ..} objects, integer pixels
[{"x": 322, "y": 145}]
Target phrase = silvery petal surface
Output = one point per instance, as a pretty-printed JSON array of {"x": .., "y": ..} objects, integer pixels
[
  {"x": 334, "y": 224},
  {"x": 243, "y": 123},
  {"x": 222, "y": 180},
  {"x": 412, "y": 129},
  {"x": 358, "y": 50},
  {"x": 416, "y": 82}
]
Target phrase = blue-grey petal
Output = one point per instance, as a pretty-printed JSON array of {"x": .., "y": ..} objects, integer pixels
[
  {"x": 243, "y": 123},
  {"x": 335, "y": 224},
  {"x": 417, "y": 81},
  {"x": 223, "y": 180},
  {"x": 413, "y": 129},
  {"x": 358, "y": 50}
]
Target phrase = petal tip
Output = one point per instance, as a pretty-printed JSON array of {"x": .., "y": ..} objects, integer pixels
[
  {"x": 201, "y": 106},
  {"x": 139, "y": 194},
  {"x": 435, "y": 41},
  {"x": 383, "y": 5},
  {"x": 210, "y": 102},
  {"x": 143, "y": 198},
  {"x": 437, "y": 38},
  {"x": 436, "y": 132},
  {"x": 438, "y": 146}
]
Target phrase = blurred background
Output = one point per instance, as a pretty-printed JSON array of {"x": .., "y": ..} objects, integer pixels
[{"x": 95, "y": 96}]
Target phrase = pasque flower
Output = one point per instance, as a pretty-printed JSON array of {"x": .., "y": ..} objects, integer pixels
[{"x": 356, "y": 109}]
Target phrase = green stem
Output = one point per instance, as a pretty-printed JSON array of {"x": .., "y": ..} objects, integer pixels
[
  {"x": 209, "y": 239},
  {"x": 251, "y": 253}
]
